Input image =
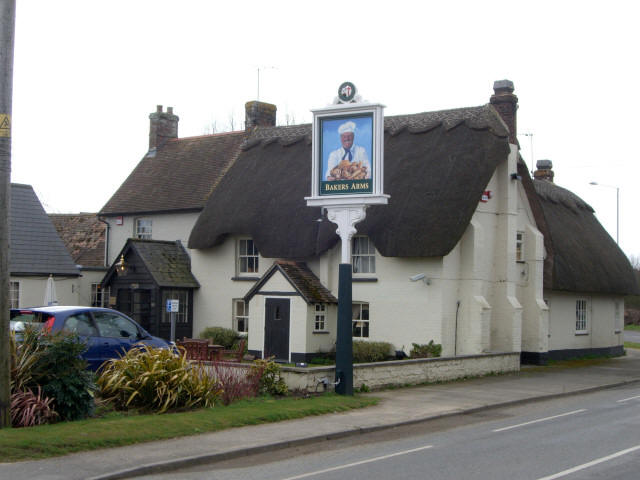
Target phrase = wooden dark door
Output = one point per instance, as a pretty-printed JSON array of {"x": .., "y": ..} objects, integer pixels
[
  {"x": 276, "y": 328},
  {"x": 137, "y": 305}
]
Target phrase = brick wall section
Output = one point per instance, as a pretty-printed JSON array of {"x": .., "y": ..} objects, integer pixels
[
  {"x": 259, "y": 114},
  {"x": 506, "y": 103},
  {"x": 162, "y": 126}
]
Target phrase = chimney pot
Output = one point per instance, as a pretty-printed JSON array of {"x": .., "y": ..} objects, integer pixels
[
  {"x": 544, "y": 170},
  {"x": 170, "y": 110},
  {"x": 158, "y": 108}
]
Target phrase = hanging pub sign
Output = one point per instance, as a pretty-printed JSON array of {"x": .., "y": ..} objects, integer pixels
[{"x": 347, "y": 164}]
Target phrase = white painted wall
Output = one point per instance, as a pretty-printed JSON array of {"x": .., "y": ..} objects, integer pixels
[
  {"x": 601, "y": 324},
  {"x": 32, "y": 289},
  {"x": 84, "y": 285},
  {"x": 166, "y": 226}
]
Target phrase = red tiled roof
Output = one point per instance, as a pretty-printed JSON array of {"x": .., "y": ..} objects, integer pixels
[{"x": 83, "y": 235}]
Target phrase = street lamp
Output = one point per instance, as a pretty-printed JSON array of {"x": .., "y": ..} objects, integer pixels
[{"x": 617, "y": 206}]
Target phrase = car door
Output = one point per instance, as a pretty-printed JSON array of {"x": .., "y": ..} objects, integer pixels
[
  {"x": 82, "y": 325},
  {"x": 117, "y": 333}
]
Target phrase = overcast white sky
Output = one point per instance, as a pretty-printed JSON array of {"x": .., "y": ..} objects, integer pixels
[{"x": 87, "y": 74}]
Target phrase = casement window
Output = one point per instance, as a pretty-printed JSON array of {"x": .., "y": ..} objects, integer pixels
[
  {"x": 519, "y": 246},
  {"x": 320, "y": 320},
  {"x": 143, "y": 228},
  {"x": 14, "y": 294},
  {"x": 247, "y": 256},
  {"x": 99, "y": 295},
  {"x": 182, "y": 315},
  {"x": 360, "y": 319},
  {"x": 363, "y": 255},
  {"x": 581, "y": 316},
  {"x": 240, "y": 316}
]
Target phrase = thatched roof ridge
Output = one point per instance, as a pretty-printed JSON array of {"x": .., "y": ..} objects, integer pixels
[
  {"x": 584, "y": 258},
  {"x": 436, "y": 167}
]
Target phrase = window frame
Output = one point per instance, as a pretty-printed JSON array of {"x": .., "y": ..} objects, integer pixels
[
  {"x": 14, "y": 294},
  {"x": 582, "y": 317},
  {"x": 143, "y": 232},
  {"x": 363, "y": 258},
  {"x": 365, "y": 322},
  {"x": 100, "y": 295},
  {"x": 319, "y": 317},
  {"x": 520, "y": 246},
  {"x": 252, "y": 257},
  {"x": 237, "y": 317}
]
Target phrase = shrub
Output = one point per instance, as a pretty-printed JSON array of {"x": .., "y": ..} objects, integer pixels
[
  {"x": 221, "y": 336},
  {"x": 158, "y": 380},
  {"x": 270, "y": 380},
  {"x": 426, "y": 351},
  {"x": 53, "y": 363},
  {"x": 370, "y": 351},
  {"x": 29, "y": 409},
  {"x": 235, "y": 383}
]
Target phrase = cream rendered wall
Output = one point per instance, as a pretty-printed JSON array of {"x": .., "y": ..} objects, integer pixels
[
  {"x": 320, "y": 342},
  {"x": 601, "y": 325},
  {"x": 166, "y": 226},
  {"x": 31, "y": 291},
  {"x": 84, "y": 285},
  {"x": 215, "y": 270}
]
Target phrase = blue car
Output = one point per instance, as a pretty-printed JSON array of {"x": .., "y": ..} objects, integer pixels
[{"x": 108, "y": 333}]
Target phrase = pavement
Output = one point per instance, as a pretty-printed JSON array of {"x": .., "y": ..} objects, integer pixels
[{"x": 396, "y": 408}]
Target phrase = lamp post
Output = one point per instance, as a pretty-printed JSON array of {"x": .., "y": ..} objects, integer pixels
[{"x": 617, "y": 206}]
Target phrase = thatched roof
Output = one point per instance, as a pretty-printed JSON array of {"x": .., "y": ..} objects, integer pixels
[
  {"x": 177, "y": 177},
  {"x": 582, "y": 256},
  {"x": 436, "y": 167}
]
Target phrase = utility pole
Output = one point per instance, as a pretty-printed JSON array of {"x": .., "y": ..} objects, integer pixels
[{"x": 7, "y": 29}]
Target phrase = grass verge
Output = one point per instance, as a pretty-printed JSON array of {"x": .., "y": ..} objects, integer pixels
[
  {"x": 117, "y": 429},
  {"x": 631, "y": 345},
  {"x": 632, "y": 327}
]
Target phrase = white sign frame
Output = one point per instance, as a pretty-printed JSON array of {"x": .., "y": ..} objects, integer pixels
[{"x": 347, "y": 110}]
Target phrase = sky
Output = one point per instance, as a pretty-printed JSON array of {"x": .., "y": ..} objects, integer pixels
[{"x": 87, "y": 74}]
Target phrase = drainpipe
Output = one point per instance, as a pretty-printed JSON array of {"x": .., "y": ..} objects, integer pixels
[
  {"x": 455, "y": 335},
  {"x": 106, "y": 242}
]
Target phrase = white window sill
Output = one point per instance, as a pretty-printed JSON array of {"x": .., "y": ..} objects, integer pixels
[{"x": 582, "y": 333}]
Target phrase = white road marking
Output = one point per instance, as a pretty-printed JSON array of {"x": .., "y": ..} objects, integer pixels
[
  {"x": 591, "y": 464},
  {"x": 540, "y": 420},
  {"x": 627, "y": 399},
  {"x": 340, "y": 467}
]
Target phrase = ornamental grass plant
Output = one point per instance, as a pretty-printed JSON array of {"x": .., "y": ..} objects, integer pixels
[{"x": 157, "y": 380}]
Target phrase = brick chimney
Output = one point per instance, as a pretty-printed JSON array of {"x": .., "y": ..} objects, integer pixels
[
  {"x": 506, "y": 103},
  {"x": 544, "y": 170},
  {"x": 163, "y": 126},
  {"x": 259, "y": 114}
]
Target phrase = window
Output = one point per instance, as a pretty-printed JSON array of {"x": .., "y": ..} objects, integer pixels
[
  {"x": 80, "y": 324},
  {"x": 320, "y": 317},
  {"x": 115, "y": 326},
  {"x": 519, "y": 246},
  {"x": 240, "y": 316},
  {"x": 182, "y": 315},
  {"x": 360, "y": 318},
  {"x": 143, "y": 229},
  {"x": 14, "y": 294},
  {"x": 247, "y": 256},
  {"x": 363, "y": 255},
  {"x": 581, "y": 316},
  {"x": 99, "y": 295}
]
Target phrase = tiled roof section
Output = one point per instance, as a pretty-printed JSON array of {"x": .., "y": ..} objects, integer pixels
[
  {"x": 167, "y": 262},
  {"x": 178, "y": 176},
  {"x": 84, "y": 236},
  {"x": 300, "y": 277},
  {"x": 35, "y": 247},
  {"x": 306, "y": 282}
]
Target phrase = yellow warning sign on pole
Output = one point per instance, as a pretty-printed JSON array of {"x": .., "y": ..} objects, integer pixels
[{"x": 5, "y": 125}]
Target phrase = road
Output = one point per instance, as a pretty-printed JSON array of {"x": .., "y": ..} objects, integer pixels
[
  {"x": 632, "y": 336},
  {"x": 577, "y": 437}
]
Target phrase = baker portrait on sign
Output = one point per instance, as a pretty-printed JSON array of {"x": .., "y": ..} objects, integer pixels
[{"x": 350, "y": 161}]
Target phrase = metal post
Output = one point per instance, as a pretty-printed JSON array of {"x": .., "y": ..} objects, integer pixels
[
  {"x": 7, "y": 28},
  {"x": 617, "y": 215},
  {"x": 344, "y": 343},
  {"x": 173, "y": 327}
]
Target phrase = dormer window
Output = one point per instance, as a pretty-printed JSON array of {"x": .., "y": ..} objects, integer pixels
[{"x": 143, "y": 229}]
